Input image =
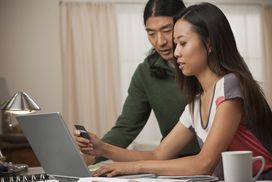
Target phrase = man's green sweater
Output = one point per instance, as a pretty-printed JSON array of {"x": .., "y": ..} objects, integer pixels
[{"x": 147, "y": 93}]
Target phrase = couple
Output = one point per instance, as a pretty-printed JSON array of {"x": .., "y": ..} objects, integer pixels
[{"x": 226, "y": 108}]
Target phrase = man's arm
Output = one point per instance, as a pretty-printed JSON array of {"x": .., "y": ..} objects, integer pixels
[{"x": 135, "y": 113}]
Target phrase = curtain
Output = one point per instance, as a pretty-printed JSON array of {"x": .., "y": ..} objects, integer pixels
[
  {"x": 90, "y": 63},
  {"x": 266, "y": 15}
]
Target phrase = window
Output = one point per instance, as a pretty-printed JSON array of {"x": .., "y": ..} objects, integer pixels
[{"x": 245, "y": 21}]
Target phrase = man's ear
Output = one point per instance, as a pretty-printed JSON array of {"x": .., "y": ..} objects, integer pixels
[{"x": 209, "y": 49}]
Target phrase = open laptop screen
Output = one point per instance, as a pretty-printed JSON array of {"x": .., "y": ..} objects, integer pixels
[{"x": 53, "y": 144}]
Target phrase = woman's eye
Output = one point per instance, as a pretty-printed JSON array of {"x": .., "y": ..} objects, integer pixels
[{"x": 182, "y": 43}]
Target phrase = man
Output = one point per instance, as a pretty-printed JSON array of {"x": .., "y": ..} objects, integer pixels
[{"x": 153, "y": 85}]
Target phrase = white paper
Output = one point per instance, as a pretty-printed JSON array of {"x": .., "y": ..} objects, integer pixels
[
  {"x": 103, "y": 179},
  {"x": 192, "y": 178},
  {"x": 157, "y": 180}
]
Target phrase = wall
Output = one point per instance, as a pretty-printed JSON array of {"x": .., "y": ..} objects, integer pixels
[{"x": 30, "y": 50}]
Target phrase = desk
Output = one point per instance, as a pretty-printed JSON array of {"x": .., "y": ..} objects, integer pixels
[
  {"x": 39, "y": 170},
  {"x": 18, "y": 152}
]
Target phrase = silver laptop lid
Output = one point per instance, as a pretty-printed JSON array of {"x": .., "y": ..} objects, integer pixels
[{"x": 53, "y": 144}]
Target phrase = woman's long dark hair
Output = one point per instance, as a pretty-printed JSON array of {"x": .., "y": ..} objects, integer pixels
[
  {"x": 161, "y": 8},
  {"x": 209, "y": 22}
]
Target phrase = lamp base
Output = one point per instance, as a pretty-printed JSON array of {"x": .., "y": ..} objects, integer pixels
[{"x": 9, "y": 123}]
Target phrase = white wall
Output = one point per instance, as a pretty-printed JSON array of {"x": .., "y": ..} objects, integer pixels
[{"x": 30, "y": 50}]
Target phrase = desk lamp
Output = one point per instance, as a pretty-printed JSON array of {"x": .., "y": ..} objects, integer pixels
[{"x": 20, "y": 103}]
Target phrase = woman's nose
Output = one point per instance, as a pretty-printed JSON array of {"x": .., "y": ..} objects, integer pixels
[{"x": 177, "y": 51}]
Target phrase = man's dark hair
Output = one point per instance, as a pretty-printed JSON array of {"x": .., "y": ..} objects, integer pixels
[{"x": 162, "y": 8}]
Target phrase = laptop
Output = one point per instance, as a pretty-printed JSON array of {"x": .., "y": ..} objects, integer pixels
[{"x": 53, "y": 145}]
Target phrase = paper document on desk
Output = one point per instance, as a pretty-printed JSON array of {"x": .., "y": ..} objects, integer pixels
[
  {"x": 157, "y": 180},
  {"x": 195, "y": 178},
  {"x": 103, "y": 179}
]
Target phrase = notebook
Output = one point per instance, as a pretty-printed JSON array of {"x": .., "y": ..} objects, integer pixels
[{"x": 53, "y": 145}]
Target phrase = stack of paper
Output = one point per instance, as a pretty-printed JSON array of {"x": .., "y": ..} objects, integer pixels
[
  {"x": 101, "y": 179},
  {"x": 197, "y": 178}
]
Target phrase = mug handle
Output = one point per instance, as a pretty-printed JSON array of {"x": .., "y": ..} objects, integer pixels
[{"x": 262, "y": 167}]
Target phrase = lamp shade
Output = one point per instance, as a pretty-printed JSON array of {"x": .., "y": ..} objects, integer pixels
[{"x": 21, "y": 103}]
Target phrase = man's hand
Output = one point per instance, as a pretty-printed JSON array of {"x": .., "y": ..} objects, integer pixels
[
  {"x": 92, "y": 147},
  {"x": 89, "y": 159}
]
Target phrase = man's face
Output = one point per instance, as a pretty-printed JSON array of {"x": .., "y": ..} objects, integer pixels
[{"x": 159, "y": 31}]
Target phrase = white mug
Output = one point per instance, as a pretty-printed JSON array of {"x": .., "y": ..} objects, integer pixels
[{"x": 237, "y": 166}]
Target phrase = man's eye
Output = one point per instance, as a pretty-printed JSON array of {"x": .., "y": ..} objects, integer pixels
[
  {"x": 167, "y": 30},
  {"x": 151, "y": 33}
]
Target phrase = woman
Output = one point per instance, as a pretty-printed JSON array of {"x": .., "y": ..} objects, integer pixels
[{"x": 226, "y": 110}]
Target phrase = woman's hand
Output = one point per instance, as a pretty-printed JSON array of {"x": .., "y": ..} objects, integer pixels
[
  {"x": 118, "y": 168},
  {"x": 93, "y": 147}
]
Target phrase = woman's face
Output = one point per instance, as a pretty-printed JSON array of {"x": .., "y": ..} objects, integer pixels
[{"x": 190, "y": 52}]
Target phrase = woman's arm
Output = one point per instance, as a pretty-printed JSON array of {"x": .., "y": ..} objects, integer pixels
[
  {"x": 226, "y": 122},
  {"x": 170, "y": 147}
]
